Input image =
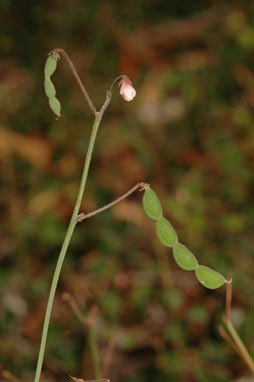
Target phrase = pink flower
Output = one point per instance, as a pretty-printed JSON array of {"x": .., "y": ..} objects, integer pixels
[{"x": 127, "y": 91}]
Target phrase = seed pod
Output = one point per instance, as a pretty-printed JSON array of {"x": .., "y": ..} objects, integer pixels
[
  {"x": 49, "y": 88},
  {"x": 55, "y": 106},
  {"x": 50, "y": 66},
  {"x": 166, "y": 233},
  {"x": 151, "y": 204},
  {"x": 184, "y": 258},
  {"x": 209, "y": 278}
]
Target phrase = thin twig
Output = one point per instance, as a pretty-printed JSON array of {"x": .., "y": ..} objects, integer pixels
[
  {"x": 94, "y": 380},
  {"x": 80, "y": 83},
  {"x": 88, "y": 322},
  {"x": 109, "y": 355},
  {"x": 75, "y": 309},
  {"x": 239, "y": 343},
  {"x": 228, "y": 298},
  {"x": 235, "y": 340},
  {"x": 227, "y": 338},
  {"x": 83, "y": 216},
  {"x": 10, "y": 377}
]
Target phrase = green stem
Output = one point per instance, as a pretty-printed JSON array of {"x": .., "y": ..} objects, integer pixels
[
  {"x": 94, "y": 352},
  {"x": 65, "y": 245},
  {"x": 240, "y": 344}
]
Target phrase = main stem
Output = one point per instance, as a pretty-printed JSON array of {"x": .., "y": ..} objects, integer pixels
[{"x": 65, "y": 245}]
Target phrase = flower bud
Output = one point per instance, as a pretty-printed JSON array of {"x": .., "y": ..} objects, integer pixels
[{"x": 127, "y": 91}]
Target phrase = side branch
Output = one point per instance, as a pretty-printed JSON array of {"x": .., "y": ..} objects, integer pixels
[
  {"x": 83, "y": 216},
  {"x": 75, "y": 73}
]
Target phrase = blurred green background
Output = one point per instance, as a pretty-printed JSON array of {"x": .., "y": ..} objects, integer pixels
[{"x": 189, "y": 133}]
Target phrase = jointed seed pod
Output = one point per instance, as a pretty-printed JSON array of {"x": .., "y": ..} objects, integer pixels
[
  {"x": 184, "y": 258},
  {"x": 166, "y": 233},
  {"x": 209, "y": 278},
  {"x": 182, "y": 255},
  {"x": 49, "y": 88},
  {"x": 55, "y": 106},
  {"x": 50, "y": 66},
  {"x": 151, "y": 204}
]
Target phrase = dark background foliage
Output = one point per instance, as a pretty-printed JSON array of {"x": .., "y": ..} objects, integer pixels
[{"x": 189, "y": 133}]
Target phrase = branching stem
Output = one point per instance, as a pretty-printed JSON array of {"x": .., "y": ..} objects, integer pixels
[{"x": 73, "y": 221}]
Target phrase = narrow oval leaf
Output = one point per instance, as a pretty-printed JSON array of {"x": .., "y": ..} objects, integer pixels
[
  {"x": 49, "y": 88},
  {"x": 209, "y": 278},
  {"x": 55, "y": 106},
  {"x": 184, "y": 258},
  {"x": 50, "y": 66},
  {"x": 166, "y": 233},
  {"x": 151, "y": 204}
]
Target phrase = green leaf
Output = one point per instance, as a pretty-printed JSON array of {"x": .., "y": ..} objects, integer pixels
[
  {"x": 166, "y": 233},
  {"x": 151, "y": 204},
  {"x": 50, "y": 66},
  {"x": 55, "y": 106},
  {"x": 49, "y": 88},
  {"x": 184, "y": 258},
  {"x": 209, "y": 278}
]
